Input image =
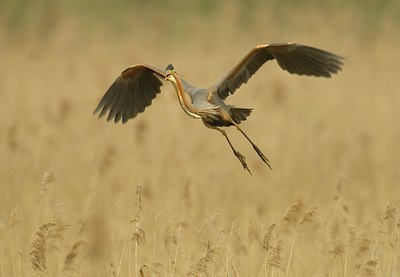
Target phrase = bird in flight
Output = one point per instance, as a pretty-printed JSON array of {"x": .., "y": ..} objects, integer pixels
[{"x": 139, "y": 84}]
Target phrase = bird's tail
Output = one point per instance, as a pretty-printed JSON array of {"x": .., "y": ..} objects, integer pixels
[{"x": 239, "y": 114}]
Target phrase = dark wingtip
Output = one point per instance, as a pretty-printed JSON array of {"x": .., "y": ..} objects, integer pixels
[{"x": 98, "y": 108}]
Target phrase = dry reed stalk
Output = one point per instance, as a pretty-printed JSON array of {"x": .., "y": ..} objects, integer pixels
[
  {"x": 57, "y": 212},
  {"x": 275, "y": 258},
  {"x": 201, "y": 266},
  {"x": 308, "y": 218},
  {"x": 388, "y": 234},
  {"x": 170, "y": 235},
  {"x": 376, "y": 241},
  {"x": 338, "y": 251},
  {"x": 268, "y": 237},
  {"x": 222, "y": 262},
  {"x": 267, "y": 246},
  {"x": 173, "y": 269},
  {"x": 389, "y": 219},
  {"x": 155, "y": 269},
  {"x": 138, "y": 235},
  {"x": 155, "y": 232},
  {"x": 45, "y": 186},
  {"x": 386, "y": 228},
  {"x": 368, "y": 269},
  {"x": 363, "y": 250},
  {"x": 47, "y": 180},
  {"x": 172, "y": 240},
  {"x": 122, "y": 252},
  {"x": 290, "y": 217},
  {"x": 39, "y": 247},
  {"x": 392, "y": 257},
  {"x": 229, "y": 243},
  {"x": 15, "y": 218},
  {"x": 14, "y": 223},
  {"x": 203, "y": 235},
  {"x": 234, "y": 268},
  {"x": 350, "y": 240},
  {"x": 144, "y": 271}
]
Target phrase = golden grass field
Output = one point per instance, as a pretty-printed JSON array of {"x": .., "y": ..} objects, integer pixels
[{"x": 162, "y": 195}]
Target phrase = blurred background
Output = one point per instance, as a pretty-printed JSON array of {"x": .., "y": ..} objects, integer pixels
[{"x": 333, "y": 143}]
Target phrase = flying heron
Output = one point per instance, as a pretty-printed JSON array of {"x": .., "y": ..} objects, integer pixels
[{"x": 138, "y": 85}]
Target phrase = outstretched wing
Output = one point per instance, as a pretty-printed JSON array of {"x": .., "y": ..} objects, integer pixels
[
  {"x": 131, "y": 92},
  {"x": 295, "y": 58}
]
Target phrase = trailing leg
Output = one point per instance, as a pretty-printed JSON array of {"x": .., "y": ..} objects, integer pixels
[
  {"x": 260, "y": 154},
  {"x": 238, "y": 155}
]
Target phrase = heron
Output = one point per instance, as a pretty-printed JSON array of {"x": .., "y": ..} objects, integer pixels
[{"x": 139, "y": 84}]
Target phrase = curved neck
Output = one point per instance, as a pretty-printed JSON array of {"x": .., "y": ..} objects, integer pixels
[{"x": 180, "y": 92}]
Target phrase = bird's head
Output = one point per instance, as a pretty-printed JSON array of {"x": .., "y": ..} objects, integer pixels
[{"x": 169, "y": 71}]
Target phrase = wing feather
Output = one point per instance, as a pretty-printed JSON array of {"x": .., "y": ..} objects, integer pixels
[
  {"x": 129, "y": 107},
  {"x": 131, "y": 92},
  {"x": 114, "y": 102},
  {"x": 294, "y": 58},
  {"x": 118, "y": 105},
  {"x": 131, "y": 102},
  {"x": 109, "y": 99}
]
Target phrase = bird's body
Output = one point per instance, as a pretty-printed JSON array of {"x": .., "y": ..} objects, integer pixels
[
  {"x": 138, "y": 85},
  {"x": 200, "y": 103}
]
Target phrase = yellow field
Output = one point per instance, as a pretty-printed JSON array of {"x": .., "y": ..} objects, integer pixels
[{"x": 71, "y": 183}]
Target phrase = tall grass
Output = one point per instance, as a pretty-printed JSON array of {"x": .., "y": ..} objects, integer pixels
[
  {"x": 278, "y": 248},
  {"x": 70, "y": 201}
]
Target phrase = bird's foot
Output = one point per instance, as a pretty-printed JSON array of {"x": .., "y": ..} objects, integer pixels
[
  {"x": 262, "y": 156},
  {"x": 242, "y": 159}
]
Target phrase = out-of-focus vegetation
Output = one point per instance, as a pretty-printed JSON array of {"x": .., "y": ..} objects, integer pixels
[
  {"x": 162, "y": 194},
  {"x": 45, "y": 15}
]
